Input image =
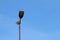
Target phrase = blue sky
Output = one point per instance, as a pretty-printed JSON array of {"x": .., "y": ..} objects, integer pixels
[{"x": 40, "y": 22}]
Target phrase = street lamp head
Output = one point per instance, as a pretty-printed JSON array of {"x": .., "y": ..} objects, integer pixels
[{"x": 21, "y": 14}]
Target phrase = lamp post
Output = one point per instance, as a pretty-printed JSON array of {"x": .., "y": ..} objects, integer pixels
[{"x": 21, "y": 14}]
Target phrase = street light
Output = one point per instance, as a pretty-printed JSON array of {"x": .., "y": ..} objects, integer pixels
[{"x": 21, "y": 14}]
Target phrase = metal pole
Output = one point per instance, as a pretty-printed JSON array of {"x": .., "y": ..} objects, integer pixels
[{"x": 19, "y": 30}]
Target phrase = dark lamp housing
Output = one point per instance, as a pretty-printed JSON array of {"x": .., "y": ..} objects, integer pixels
[{"x": 21, "y": 14}]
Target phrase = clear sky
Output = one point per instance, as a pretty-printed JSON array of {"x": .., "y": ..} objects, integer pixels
[{"x": 40, "y": 22}]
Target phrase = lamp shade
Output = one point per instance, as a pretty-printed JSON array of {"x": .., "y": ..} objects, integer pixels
[{"x": 21, "y": 14}]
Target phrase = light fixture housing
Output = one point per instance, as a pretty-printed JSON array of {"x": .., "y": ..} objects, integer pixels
[{"x": 21, "y": 14}]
